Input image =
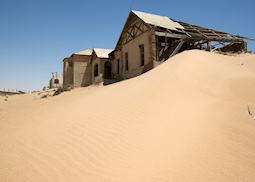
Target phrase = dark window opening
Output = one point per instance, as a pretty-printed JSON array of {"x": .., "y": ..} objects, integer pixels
[
  {"x": 126, "y": 61},
  {"x": 118, "y": 66},
  {"x": 96, "y": 70},
  {"x": 56, "y": 81},
  {"x": 141, "y": 47}
]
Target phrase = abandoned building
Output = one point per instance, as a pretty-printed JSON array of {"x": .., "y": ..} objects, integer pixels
[
  {"x": 56, "y": 81},
  {"x": 146, "y": 41}
]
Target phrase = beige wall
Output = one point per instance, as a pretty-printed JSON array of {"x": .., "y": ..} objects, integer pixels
[
  {"x": 82, "y": 71},
  {"x": 117, "y": 56},
  {"x": 132, "y": 48},
  {"x": 53, "y": 83},
  {"x": 68, "y": 72},
  {"x": 77, "y": 71},
  {"x": 82, "y": 74}
]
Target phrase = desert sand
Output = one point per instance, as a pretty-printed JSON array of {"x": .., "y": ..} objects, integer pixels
[{"x": 191, "y": 119}]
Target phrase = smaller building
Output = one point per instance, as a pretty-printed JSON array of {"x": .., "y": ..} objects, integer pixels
[
  {"x": 77, "y": 69},
  {"x": 56, "y": 81},
  {"x": 90, "y": 66}
]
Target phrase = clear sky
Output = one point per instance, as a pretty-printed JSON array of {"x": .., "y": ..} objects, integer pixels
[{"x": 35, "y": 35}]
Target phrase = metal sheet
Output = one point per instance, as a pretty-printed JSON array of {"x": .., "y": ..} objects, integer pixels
[
  {"x": 157, "y": 20},
  {"x": 102, "y": 53},
  {"x": 86, "y": 52}
]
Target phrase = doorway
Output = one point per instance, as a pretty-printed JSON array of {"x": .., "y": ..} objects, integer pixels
[{"x": 107, "y": 70}]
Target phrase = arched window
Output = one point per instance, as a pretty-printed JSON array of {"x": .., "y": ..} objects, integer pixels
[
  {"x": 96, "y": 70},
  {"x": 56, "y": 81}
]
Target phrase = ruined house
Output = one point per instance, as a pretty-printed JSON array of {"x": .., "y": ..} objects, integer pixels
[{"x": 148, "y": 40}]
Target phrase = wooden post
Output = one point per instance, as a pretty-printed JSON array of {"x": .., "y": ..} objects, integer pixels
[
  {"x": 209, "y": 47},
  {"x": 178, "y": 47},
  {"x": 154, "y": 56}
]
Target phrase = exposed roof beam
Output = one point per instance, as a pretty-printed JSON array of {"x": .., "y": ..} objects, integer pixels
[{"x": 171, "y": 35}]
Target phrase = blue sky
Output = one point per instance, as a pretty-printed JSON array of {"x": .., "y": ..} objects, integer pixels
[{"x": 35, "y": 35}]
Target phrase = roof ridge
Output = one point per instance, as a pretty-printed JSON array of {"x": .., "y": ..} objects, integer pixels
[
  {"x": 84, "y": 52},
  {"x": 102, "y": 52}
]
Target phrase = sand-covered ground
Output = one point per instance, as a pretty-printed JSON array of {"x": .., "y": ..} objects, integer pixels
[{"x": 192, "y": 119}]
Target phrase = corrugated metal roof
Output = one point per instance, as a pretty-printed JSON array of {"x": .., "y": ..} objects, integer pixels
[
  {"x": 102, "y": 53},
  {"x": 86, "y": 52},
  {"x": 161, "y": 21}
]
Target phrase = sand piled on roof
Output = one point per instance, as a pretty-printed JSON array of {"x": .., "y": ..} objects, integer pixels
[{"x": 190, "y": 119}]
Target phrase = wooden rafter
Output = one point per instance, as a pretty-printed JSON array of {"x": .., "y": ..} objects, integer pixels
[
  {"x": 134, "y": 30},
  {"x": 210, "y": 34}
]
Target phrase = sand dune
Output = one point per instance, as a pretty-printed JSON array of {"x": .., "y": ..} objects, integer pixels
[{"x": 190, "y": 119}]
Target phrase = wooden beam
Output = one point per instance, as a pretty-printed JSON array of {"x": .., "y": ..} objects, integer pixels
[
  {"x": 178, "y": 47},
  {"x": 130, "y": 39},
  {"x": 171, "y": 35},
  {"x": 200, "y": 43},
  {"x": 133, "y": 31}
]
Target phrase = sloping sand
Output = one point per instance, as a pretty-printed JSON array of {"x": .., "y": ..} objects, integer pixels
[{"x": 192, "y": 119}]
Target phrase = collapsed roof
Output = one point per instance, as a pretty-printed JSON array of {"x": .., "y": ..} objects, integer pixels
[
  {"x": 168, "y": 27},
  {"x": 157, "y": 20},
  {"x": 187, "y": 30}
]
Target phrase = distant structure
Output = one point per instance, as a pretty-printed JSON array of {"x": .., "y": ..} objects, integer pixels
[
  {"x": 4, "y": 92},
  {"x": 146, "y": 41},
  {"x": 56, "y": 81}
]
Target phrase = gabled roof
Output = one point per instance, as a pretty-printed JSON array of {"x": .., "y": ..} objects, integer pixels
[
  {"x": 102, "y": 53},
  {"x": 157, "y": 20},
  {"x": 86, "y": 52}
]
